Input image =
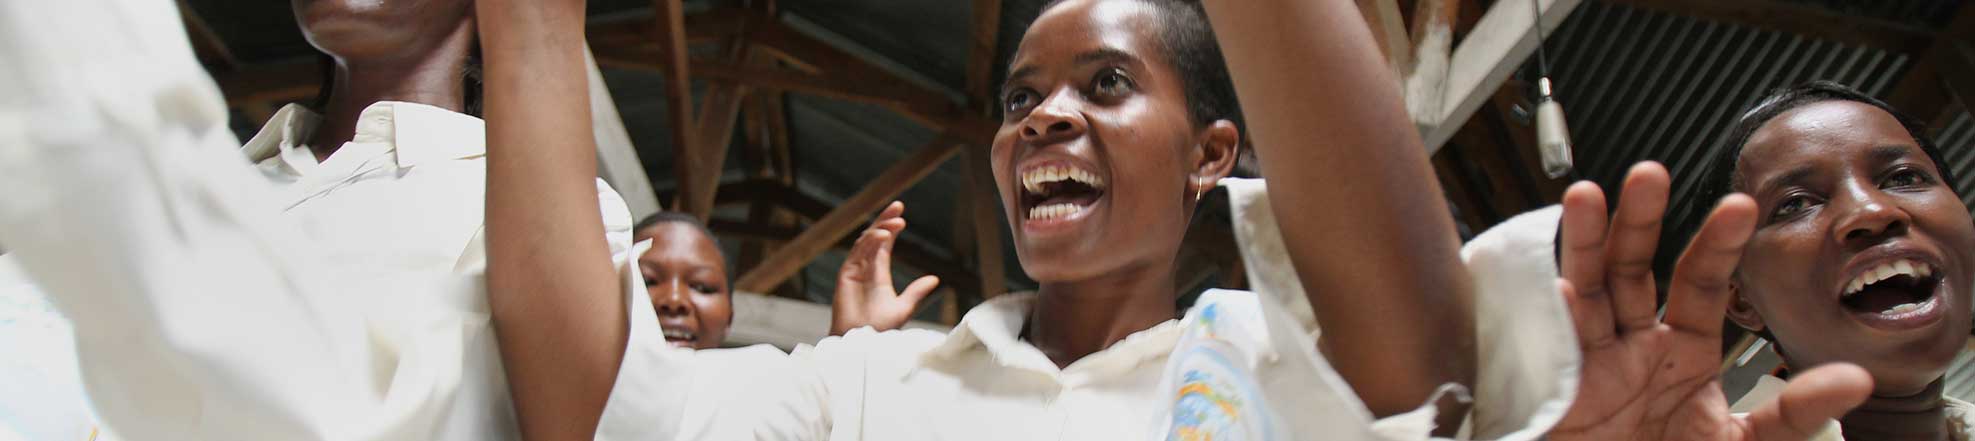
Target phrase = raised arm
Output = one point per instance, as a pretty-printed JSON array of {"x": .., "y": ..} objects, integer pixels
[
  {"x": 554, "y": 293},
  {"x": 1381, "y": 266}
]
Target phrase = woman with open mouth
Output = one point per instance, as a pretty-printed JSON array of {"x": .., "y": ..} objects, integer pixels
[
  {"x": 1842, "y": 244},
  {"x": 1117, "y": 118}
]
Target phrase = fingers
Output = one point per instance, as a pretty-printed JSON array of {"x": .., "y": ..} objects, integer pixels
[
  {"x": 1583, "y": 236},
  {"x": 918, "y": 290},
  {"x": 1698, "y": 295},
  {"x": 865, "y": 253},
  {"x": 1811, "y": 398},
  {"x": 1592, "y": 317},
  {"x": 1634, "y": 238}
]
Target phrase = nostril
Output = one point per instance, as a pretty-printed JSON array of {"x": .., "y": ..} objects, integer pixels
[
  {"x": 1028, "y": 131},
  {"x": 1059, "y": 126}
]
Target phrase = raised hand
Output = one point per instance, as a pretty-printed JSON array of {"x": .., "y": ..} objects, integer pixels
[
  {"x": 1650, "y": 379},
  {"x": 865, "y": 296}
]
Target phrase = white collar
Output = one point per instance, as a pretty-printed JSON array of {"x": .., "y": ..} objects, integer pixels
[
  {"x": 417, "y": 133},
  {"x": 996, "y": 326}
]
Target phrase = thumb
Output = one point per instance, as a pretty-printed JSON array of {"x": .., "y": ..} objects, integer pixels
[{"x": 1812, "y": 398}]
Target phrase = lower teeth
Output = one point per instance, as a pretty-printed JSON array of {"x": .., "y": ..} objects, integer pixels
[
  {"x": 1053, "y": 211},
  {"x": 1902, "y": 308}
]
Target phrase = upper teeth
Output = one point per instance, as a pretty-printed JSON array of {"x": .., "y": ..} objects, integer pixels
[
  {"x": 1917, "y": 270},
  {"x": 1033, "y": 179},
  {"x": 679, "y": 334}
]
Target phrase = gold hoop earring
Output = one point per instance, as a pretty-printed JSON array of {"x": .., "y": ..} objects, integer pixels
[{"x": 1199, "y": 191}]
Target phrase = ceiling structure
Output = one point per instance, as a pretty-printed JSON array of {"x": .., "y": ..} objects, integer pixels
[{"x": 805, "y": 117}]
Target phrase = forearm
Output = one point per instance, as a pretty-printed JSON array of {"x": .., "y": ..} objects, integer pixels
[
  {"x": 1328, "y": 125},
  {"x": 554, "y": 294}
]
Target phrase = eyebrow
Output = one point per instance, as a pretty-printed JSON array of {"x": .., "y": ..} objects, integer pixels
[
  {"x": 1879, "y": 154},
  {"x": 1888, "y": 153},
  {"x": 1787, "y": 178},
  {"x": 1099, "y": 55}
]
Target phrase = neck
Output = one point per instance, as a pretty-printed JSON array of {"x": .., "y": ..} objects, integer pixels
[
  {"x": 432, "y": 78},
  {"x": 1073, "y": 319},
  {"x": 1921, "y": 416}
]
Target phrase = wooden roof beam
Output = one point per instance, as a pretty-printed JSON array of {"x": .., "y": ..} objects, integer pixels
[
  {"x": 1492, "y": 51},
  {"x": 1918, "y": 91},
  {"x": 849, "y": 215}
]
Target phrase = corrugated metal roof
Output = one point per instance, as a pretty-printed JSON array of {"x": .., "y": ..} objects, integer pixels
[{"x": 1641, "y": 84}]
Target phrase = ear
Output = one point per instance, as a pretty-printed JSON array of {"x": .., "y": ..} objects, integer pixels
[
  {"x": 1214, "y": 154},
  {"x": 1741, "y": 311}
]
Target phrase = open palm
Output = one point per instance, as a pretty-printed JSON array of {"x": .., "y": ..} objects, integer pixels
[
  {"x": 1650, "y": 379},
  {"x": 865, "y": 296}
]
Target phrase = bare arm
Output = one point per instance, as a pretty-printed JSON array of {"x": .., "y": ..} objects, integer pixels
[
  {"x": 1383, "y": 271},
  {"x": 554, "y": 294}
]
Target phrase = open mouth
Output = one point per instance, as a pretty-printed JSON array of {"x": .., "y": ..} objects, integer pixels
[
  {"x": 682, "y": 338},
  {"x": 1059, "y": 192},
  {"x": 1900, "y": 291}
]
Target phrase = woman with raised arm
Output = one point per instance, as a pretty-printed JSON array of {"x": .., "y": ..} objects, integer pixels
[
  {"x": 1103, "y": 154},
  {"x": 1839, "y": 240}
]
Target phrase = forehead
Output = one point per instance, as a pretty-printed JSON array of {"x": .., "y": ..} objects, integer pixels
[
  {"x": 1077, "y": 26},
  {"x": 1835, "y": 129},
  {"x": 674, "y": 239}
]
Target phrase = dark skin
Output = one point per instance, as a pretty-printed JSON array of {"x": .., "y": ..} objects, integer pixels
[
  {"x": 1843, "y": 187},
  {"x": 1089, "y": 90},
  {"x": 686, "y": 278},
  {"x": 1089, "y": 87},
  {"x": 386, "y": 50},
  {"x": 554, "y": 296}
]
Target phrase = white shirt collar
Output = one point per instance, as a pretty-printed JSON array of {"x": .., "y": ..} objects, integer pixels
[
  {"x": 996, "y": 326},
  {"x": 417, "y": 133}
]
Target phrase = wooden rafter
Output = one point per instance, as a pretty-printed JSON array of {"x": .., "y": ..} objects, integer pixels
[
  {"x": 987, "y": 225},
  {"x": 982, "y": 208},
  {"x": 671, "y": 33},
  {"x": 981, "y": 51},
  {"x": 1388, "y": 27},
  {"x": 1918, "y": 92},
  {"x": 1491, "y": 52},
  {"x": 848, "y": 216},
  {"x": 206, "y": 44}
]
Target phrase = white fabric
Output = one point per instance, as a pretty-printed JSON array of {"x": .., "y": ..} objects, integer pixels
[
  {"x": 201, "y": 311},
  {"x": 1527, "y": 354},
  {"x": 1961, "y": 414},
  {"x": 42, "y": 387},
  {"x": 981, "y": 382}
]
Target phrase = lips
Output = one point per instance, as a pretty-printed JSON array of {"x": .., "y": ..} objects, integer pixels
[
  {"x": 1056, "y": 192},
  {"x": 680, "y": 337},
  {"x": 1895, "y": 293}
]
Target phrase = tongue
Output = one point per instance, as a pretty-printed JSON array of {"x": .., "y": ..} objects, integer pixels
[{"x": 1875, "y": 299}]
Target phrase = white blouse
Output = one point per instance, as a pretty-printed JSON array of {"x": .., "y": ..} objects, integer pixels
[{"x": 201, "y": 312}]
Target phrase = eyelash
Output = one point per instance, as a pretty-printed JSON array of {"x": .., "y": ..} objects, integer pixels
[
  {"x": 1012, "y": 108},
  {"x": 1920, "y": 178}
]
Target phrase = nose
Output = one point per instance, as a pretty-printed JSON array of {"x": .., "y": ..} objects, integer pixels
[
  {"x": 671, "y": 299},
  {"x": 1058, "y": 118},
  {"x": 1869, "y": 216}
]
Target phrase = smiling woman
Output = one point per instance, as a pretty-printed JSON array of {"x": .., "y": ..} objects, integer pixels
[
  {"x": 1118, "y": 116},
  {"x": 1862, "y": 251}
]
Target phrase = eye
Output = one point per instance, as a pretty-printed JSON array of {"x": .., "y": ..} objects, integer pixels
[
  {"x": 1018, "y": 100},
  {"x": 1111, "y": 83},
  {"x": 1906, "y": 177},
  {"x": 704, "y": 288},
  {"x": 1792, "y": 205}
]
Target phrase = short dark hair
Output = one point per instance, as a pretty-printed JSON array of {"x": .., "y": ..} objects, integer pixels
[
  {"x": 1719, "y": 176},
  {"x": 1187, "y": 41},
  {"x": 675, "y": 217}
]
